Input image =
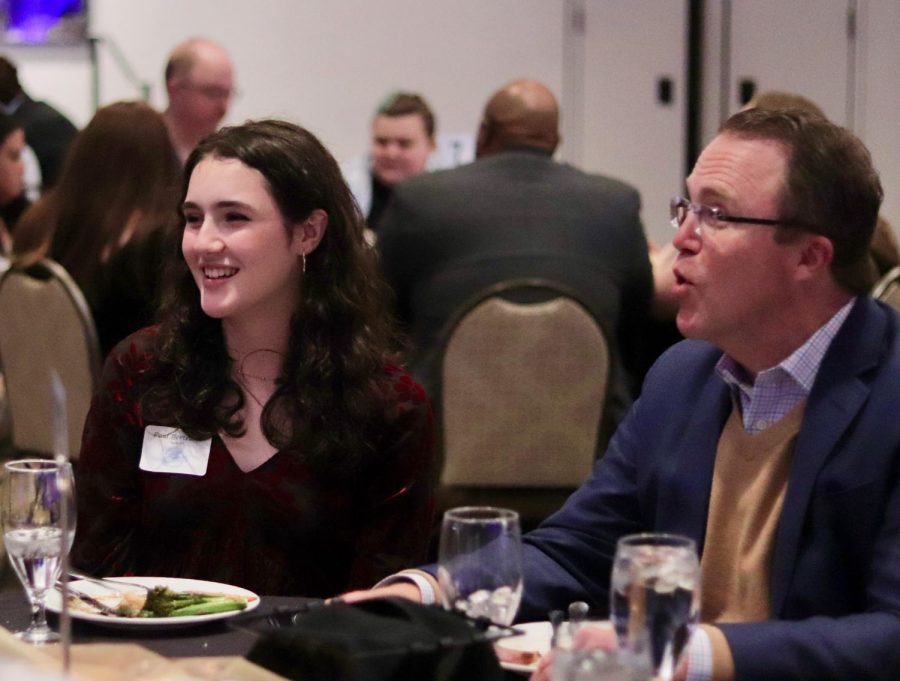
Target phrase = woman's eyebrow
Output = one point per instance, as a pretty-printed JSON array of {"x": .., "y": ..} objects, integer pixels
[{"x": 219, "y": 204}]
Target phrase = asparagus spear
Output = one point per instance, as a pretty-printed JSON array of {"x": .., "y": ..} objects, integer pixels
[{"x": 163, "y": 602}]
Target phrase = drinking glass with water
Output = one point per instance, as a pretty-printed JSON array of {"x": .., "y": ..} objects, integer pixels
[
  {"x": 34, "y": 494},
  {"x": 655, "y": 598},
  {"x": 480, "y": 562}
]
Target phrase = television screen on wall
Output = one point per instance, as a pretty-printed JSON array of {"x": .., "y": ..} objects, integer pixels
[{"x": 43, "y": 22}]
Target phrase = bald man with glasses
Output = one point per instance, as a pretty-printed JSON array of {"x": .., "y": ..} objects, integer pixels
[
  {"x": 200, "y": 86},
  {"x": 771, "y": 436}
]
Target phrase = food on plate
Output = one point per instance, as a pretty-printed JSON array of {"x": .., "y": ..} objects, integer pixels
[
  {"x": 526, "y": 658},
  {"x": 161, "y": 601},
  {"x": 526, "y": 649}
]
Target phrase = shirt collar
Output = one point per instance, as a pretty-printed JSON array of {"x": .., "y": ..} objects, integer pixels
[{"x": 802, "y": 365}]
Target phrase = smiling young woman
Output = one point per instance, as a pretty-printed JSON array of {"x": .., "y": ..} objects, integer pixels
[{"x": 262, "y": 434}]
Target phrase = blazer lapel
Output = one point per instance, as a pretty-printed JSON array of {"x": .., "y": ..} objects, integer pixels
[
  {"x": 685, "y": 488},
  {"x": 837, "y": 395}
]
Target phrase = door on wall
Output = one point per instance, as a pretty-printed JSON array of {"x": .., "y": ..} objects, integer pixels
[
  {"x": 801, "y": 46},
  {"x": 624, "y": 97},
  {"x": 878, "y": 96}
]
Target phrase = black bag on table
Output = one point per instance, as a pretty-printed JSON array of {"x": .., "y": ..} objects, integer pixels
[{"x": 389, "y": 639}]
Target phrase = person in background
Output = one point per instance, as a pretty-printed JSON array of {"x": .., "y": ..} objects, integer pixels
[
  {"x": 200, "y": 86},
  {"x": 13, "y": 201},
  {"x": 770, "y": 437},
  {"x": 262, "y": 434},
  {"x": 47, "y": 131},
  {"x": 402, "y": 140},
  {"x": 109, "y": 216},
  {"x": 516, "y": 213}
]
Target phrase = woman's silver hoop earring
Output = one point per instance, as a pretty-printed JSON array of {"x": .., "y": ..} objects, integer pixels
[{"x": 303, "y": 263}]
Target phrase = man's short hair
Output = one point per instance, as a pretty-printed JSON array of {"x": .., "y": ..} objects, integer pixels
[
  {"x": 831, "y": 188},
  {"x": 777, "y": 99},
  {"x": 405, "y": 104}
]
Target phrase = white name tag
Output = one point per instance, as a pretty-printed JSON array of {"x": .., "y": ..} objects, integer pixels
[{"x": 169, "y": 450}]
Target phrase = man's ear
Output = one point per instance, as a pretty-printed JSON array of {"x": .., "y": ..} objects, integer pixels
[
  {"x": 308, "y": 234},
  {"x": 485, "y": 138},
  {"x": 815, "y": 256}
]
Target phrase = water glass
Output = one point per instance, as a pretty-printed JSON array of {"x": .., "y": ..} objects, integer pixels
[
  {"x": 36, "y": 495},
  {"x": 480, "y": 562},
  {"x": 655, "y": 598}
]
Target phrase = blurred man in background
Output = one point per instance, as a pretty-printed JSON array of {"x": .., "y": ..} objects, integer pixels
[
  {"x": 200, "y": 86},
  {"x": 402, "y": 141}
]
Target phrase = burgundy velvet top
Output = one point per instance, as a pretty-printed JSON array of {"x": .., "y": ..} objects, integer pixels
[{"x": 278, "y": 530}]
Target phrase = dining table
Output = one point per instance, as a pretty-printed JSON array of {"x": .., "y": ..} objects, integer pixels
[
  {"x": 201, "y": 652},
  {"x": 221, "y": 644}
]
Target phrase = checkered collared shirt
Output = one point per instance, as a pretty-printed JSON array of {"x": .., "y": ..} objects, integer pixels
[{"x": 777, "y": 390}]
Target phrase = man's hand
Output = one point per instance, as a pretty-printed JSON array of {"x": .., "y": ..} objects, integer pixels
[
  {"x": 406, "y": 590},
  {"x": 601, "y": 637}
]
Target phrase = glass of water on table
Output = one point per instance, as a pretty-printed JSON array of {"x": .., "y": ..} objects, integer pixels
[
  {"x": 655, "y": 599},
  {"x": 33, "y": 497},
  {"x": 480, "y": 562}
]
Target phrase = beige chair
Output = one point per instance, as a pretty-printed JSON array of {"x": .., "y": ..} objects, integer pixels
[
  {"x": 888, "y": 288},
  {"x": 524, "y": 381},
  {"x": 45, "y": 326}
]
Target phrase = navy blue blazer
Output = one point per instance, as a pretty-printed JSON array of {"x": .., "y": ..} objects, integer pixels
[{"x": 835, "y": 591}]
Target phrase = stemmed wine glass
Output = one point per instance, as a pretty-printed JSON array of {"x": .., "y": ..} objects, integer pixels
[
  {"x": 655, "y": 599},
  {"x": 480, "y": 562},
  {"x": 34, "y": 496}
]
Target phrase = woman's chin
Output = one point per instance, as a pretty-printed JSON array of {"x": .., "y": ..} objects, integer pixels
[{"x": 215, "y": 311}]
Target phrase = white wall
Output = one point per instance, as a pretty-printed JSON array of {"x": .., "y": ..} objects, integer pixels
[
  {"x": 879, "y": 97},
  {"x": 326, "y": 63},
  {"x": 322, "y": 63}
]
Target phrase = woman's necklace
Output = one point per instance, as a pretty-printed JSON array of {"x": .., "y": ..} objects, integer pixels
[
  {"x": 243, "y": 384},
  {"x": 243, "y": 375}
]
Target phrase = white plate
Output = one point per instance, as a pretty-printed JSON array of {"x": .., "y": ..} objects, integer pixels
[
  {"x": 54, "y": 602},
  {"x": 535, "y": 639}
]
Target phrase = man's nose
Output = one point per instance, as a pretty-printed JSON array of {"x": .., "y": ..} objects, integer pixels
[{"x": 687, "y": 236}]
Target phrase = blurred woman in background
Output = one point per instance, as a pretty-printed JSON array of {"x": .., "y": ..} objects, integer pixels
[
  {"x": 109, "y": 216},
  {"x": 12, "y": 180}
]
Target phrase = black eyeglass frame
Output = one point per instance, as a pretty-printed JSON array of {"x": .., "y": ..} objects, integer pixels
[{"x": 703, "y": 212}]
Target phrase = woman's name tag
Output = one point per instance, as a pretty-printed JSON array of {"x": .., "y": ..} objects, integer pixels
[{"x": 169, "y": 450}]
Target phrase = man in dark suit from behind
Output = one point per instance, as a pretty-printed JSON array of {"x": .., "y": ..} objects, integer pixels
[
  {"x": 47, "y": 131},
  {"x": 516, "y": 213}
]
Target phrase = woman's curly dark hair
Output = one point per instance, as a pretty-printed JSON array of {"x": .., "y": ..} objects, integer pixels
[{"x": 330, "y": 400}]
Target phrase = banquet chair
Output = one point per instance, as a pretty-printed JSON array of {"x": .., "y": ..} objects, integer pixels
[
  {"x": 888, "y": 288},
  {"x": 45, "y": 327},
  {"x": 524, "y": 381}
]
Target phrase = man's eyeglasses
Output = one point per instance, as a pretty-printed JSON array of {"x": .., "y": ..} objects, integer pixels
[{"x": 712, "y": 218}]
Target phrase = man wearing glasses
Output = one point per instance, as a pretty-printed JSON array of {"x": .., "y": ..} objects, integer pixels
[
  {"x": 771, "y": 437},
  {"x": 200, "y": 85}
]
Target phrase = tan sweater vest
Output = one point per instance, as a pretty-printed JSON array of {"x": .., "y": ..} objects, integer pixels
[{"x": 749, "y": 482}]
